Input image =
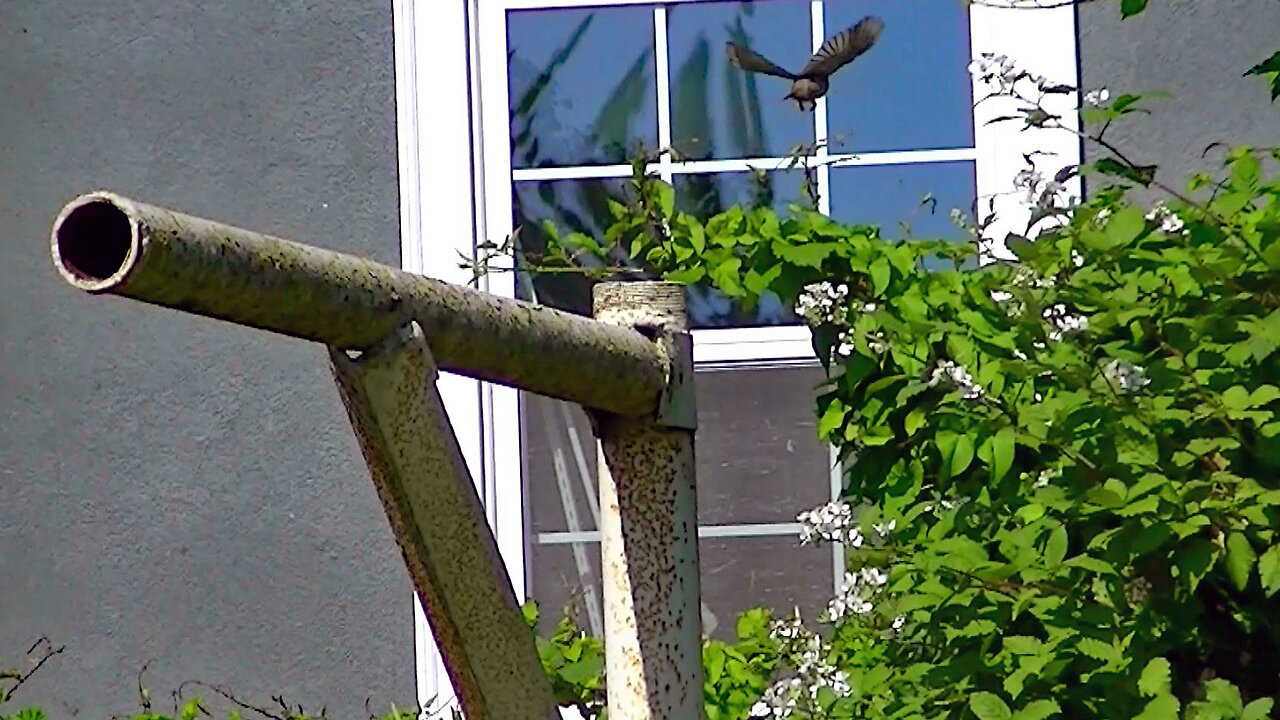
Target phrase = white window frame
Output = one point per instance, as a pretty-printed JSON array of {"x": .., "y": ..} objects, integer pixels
[{"x": 455, "y": 174}]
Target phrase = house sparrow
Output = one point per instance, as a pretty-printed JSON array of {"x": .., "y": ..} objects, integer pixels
[{"x": 812, "y": 81}]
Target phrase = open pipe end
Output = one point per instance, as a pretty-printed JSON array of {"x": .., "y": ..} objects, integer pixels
[{"x": 95, "y": 241}]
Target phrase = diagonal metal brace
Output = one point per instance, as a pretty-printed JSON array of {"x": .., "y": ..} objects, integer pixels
[{"x": 422, "y": 479}]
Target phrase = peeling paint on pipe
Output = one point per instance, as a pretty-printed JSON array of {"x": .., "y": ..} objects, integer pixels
[{"x": 106, "y": 243}]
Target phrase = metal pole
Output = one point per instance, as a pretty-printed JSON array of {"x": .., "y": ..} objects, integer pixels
[
  {"x": 438, "y": 521},
  {"x": 105, "y": 243},
  {"x": 649, "y": 526}
]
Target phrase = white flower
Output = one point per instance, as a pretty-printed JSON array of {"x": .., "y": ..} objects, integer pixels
[
  {"x": 1045, "y": 477},
  {"x": 1097, "y": 97},
  {"x": 1126, "y": 377},
  {"x": 882, "y": 531},
  {"x": 1077, "y": 259},
  {"x": 856, "y": 593},
  {"x": 877, "y": 342},
  {"x": 898, "y": 623},
  {"x": 832, "y": 522},
  {"x": 821, "y": 303},
  {"x": 1028, "y": 180},
  {"x": 808, "y": 653},
  {"x": 1062, "y": 322},
  {"x": 990, "y": 67},
  {"x": 1168, "y": 219},
  {"x": 957, "y": 376},
  {"x": 1136, "y": 590}
]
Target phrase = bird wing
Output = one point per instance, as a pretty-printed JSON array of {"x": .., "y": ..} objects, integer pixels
[
  {"x": 754, "y": 62},
  {"x": 840, "y": 49}
]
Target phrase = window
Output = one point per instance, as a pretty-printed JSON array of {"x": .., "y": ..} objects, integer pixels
[{"x": 537, "y": 103}]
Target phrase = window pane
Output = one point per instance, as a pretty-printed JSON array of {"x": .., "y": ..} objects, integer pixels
[
  {"x": 719, "y": 111},
  {"x": 889, "y": 195},
  {"x": 773, "y": 572},
  {"x": 758, "y": 455},
  {"x": 759, "y": 458},
  {"x": 581, "y": 85},
  {"x": 912, "y": 91},
  {"x": 737, "y": 574},
  {"x": 560, "y": 577}
]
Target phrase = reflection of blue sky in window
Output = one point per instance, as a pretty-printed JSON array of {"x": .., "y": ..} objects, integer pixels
[
  {"x": 887, "y": 195},
  {"x": 581, "y": 84},
  {"x": 912, "y": 91},
  {"x": 718, "y": 111}
]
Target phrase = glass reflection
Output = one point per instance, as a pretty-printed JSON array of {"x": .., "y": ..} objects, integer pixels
[
  {"x": 904, "y": 200},
  {"x": 719, "y": 111},
  {"x": 912, "y": 91},
  {"x": 580, "y": 85},
  {"x": 582, "y": 206}
]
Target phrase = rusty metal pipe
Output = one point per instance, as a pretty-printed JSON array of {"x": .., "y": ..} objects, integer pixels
[{"x": 106, "y": 243}]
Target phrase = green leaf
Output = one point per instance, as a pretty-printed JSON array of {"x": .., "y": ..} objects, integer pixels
[
  {"x": 832, "y": 418},
  {"x": 1224, "y": 694},
  {"x": 1055, "y": 548},
  {"x": 1235, "y": 397},
  {"x": 1259, "y": 709},
  {"x": 1269, "y": 570},
  {"x": 1240, "y": 559},
  {"x": 1003, "y": 444},
  {"x": 1038, "y": 710},
  {"x": 686, "y": 276},
  {"x": 1269, "y": 66},
  {"x": 529, "y": 611},
  {"x": 1155, "y": 679},
  {"x": 1129, "y": 8},
  {"x": 880, "y": 272},
  {"x": 1098, "y": 650},
  {"x": 1194, "y": 560},
  {"x": 584, "y": 671},
  {"x": 989, "y": 706},
  {"x": 1125, "y": 226},
  {"x": 957, "y": 453},
  {"x": 1162, "y": 707}
]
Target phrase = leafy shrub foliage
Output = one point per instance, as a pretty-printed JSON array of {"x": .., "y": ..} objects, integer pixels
[{"x": 1068, "y": 466}]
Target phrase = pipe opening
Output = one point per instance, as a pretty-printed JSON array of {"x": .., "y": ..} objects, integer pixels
[{"x": 94, "y": 240}]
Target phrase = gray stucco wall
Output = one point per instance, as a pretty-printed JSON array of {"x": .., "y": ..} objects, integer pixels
[
  {"x": 173, "y": 489},
  {"x": 1195, "y": 50}
]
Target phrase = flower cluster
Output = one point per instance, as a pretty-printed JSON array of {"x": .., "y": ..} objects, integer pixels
[
  {"x": 808, "y": 653},
  {"x": 1045, "y": 477},
  {"x": 1126, "y": 377},
  {"x": 1062, "y": 322},
  {"x": 1168, "y": 219},
  {"x": 1097, "y": 97},
  {"x": 1040, "y": 193},
  {"x": 856, "y": 593},
  {"x": 832, "y": 522},
  {"x": 957, "y": 376},
  {"x": 822, "y": 303}
]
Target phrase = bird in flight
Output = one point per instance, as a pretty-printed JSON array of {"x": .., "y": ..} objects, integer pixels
[{"x": 813, "y": 80}]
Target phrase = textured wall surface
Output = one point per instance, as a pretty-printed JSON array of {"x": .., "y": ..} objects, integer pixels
[
  {"x": 1197, "y": 51},
  {"x": 173, "y": 489}
]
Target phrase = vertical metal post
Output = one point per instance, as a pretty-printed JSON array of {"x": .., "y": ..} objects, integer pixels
[{"x": 649, "y": 523}]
